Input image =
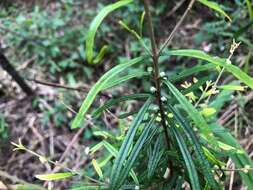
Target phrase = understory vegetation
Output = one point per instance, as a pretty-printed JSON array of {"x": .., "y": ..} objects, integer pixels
[{"x": 126, "y": 94}]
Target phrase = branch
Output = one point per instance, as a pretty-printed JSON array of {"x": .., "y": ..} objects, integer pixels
[
  {"x": 6, "y": 65},
  {"x": 172, "y": 34}
]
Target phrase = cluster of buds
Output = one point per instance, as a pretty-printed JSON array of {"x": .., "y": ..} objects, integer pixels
[{"x": 163, "y": 75}]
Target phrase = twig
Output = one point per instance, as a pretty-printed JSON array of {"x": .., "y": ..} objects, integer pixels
[
  {"x": 175, "y": 8},
  {"x": 82, "y": 89},
  {"x": 172, "y": 34},
  {"x": 57, "y": 85},
  {"x": 13, "y": 178}
]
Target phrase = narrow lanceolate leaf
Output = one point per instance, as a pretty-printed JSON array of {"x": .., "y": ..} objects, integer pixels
[
  {"x": 116, "y": 101},
  {"x": 193, "y": 113},
  {"x": 204, "y": 163},
  {"x": 237, "y": 72},
  {"x": 94, "y": 27},
  {"x": 190, "y": 71},
  {"x": 216, "y": 7},
  {"x": 155, "y": 156},
  {"x": 240, "y": 159},
  {"x": 187, "y": 159},
  {"x": 97, "y": 168},
  {"x": 97, "y": 88},
  {"x": 125, "y": 147},
  {"x": 119, "y": 80},
  {"x": 134, "y": 153},
  {"x": 55, "y": 176},
  {"x": 90, "y": 187},
  {"x": 232, "y": 87},
  {"x": 114, "y": 152}
]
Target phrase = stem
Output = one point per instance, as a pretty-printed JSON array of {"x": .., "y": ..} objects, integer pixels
[
  {"x": 10, "y": 69},
  {"x": 156, "y": 74},
  {"x": 215, "y": 84},
  {"x": 172, "y": 34}
]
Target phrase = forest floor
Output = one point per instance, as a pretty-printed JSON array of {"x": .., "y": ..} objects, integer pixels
[{"x": 21, "y": 119}]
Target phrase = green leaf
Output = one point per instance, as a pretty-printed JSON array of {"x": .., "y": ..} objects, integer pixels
[
  {"x": 240, "y": 159},
  {"x": 104, "y": 134},
  {"x": 232, "y": 87},
  {"x": 207, "y": 112},
  {"x": 216, "y": 7},
  {"x": 155, "y": 156},
  {"x": 193, "y": 113},
  {"x": 237, "y": 72},
  {"x": 55, "y": 176},
  {"x": 134, "y": 153},
  {"x": 142, "y": 22},
  {"x": 187, "y": 159},
  {"x": 189, "y": 71},
  {"x": 116, "y": 101},
  {"x": 250, "y": 8},
  {"x": 98, "y": 87},
  {"x": 125, "y": 147},
  {"x": 96, "y": 148},
  {"x": 113, "y": 151},
  {"x": 202, "y": 159},
  {"x": 116, "y": 81},
  {"x": 94, "y": 27},
  {"x": 97, "y": 168}
]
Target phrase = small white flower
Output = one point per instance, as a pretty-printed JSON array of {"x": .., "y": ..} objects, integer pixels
[
  {"x": 163, "y": 99},
  {"x": 155, "y": 108},
  {"x": 152, "y": 89},
  {"x": 162, "y": 74},
  {"x": 87, "y": 150},
  {"x": 167, "y": 173},
  {"x": 150, "y": 69},
  {"x": 228, "y": 61},
  {"x": 246, "y": 168},
  {"x": 137, "y": 187}
]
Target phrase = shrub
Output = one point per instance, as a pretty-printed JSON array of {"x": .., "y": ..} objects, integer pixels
[{"x": 174, "y": 139}]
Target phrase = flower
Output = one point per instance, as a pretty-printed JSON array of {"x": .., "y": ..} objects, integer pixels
[{"x": 152, "y": 89}]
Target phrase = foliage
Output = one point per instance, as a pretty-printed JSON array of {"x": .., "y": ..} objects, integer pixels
[{"x": 174, "y": 139}]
